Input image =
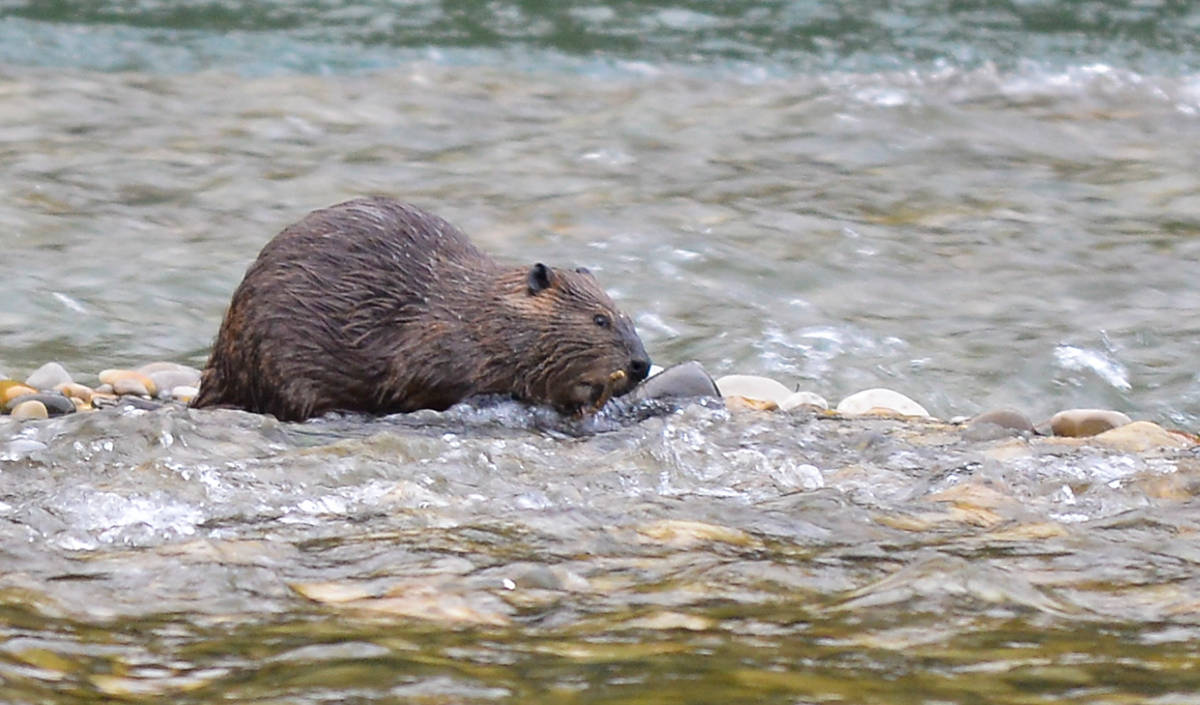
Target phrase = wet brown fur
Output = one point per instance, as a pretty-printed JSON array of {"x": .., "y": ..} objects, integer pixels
[{"x": 373, "y": 305}]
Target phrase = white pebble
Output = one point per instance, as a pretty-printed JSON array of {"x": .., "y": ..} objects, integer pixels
[
  {"x": 880, "y": 398},
  {"x": 753, "y": 387},
  {"x": 185, "y": 393},
  {"x": 801, "y": 399}
]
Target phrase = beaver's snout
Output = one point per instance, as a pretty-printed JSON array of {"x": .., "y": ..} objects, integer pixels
[{"x": 639, "y": 368}]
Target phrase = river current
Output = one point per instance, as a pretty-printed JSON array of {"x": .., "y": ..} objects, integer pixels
[{"x": 976, "y": 205}]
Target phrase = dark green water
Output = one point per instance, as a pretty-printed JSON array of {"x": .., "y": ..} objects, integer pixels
[
  {"x": 778, "y": 36},
  {"x": 977, "y": 204}
]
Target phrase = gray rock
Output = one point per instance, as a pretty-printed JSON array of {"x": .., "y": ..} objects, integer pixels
[
  {"x": 49, "y": 376},
  {"x": 687, "y": 379}
]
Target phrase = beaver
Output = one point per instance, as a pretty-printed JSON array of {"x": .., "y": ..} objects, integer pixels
[{"x": 377, "y": 306}]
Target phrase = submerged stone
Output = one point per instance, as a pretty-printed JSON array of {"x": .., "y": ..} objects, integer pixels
[
  {"x": 1077, "y": 423},
  {"x": 1141, "y": 436},
  {"x": 997, "y": 423},
  {"x": 880, "y": 400},
  {"x": 48, "y": 376}
]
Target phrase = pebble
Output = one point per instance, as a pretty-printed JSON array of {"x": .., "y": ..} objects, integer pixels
[
  {"x": 54, "y": 403},
  {"x": 11, "y": 389},
  {"x": 687, "y": 379},
  {"x": 152, "y": 368},
  {"x": 123, "y": 379},
  {"x": 169, "y": 375},
  {"x": 168, "y": 380},
  {"x": 880, "y": 400},
  {"x": 997, "y": 423},
  {"x": 49, "y": 376},
  {"x": 32, "y": 409},
  {"x": 185, "y": 393},
  {"x": 132, "y": 385},
  {"x": 798, "y": 400},
  {"x": 753, "y": 388},
  {"x": 76, "y": 391},
  {"x": 1078, "y": 423}
]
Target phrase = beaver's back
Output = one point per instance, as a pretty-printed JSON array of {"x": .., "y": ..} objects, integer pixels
[{"x": 329, "y": 302}]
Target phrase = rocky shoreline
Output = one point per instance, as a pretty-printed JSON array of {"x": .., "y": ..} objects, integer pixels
[{"x": 51, "y": 391}]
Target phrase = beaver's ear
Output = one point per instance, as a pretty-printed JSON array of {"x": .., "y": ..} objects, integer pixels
[{"x": 540, "y": 277}]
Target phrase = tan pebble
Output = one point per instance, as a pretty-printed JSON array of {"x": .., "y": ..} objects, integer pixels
[
  {"x": 753, "y": 387},
  {"x": 799, "y": 400},
  {"x": 104, "y": 389},
  {"x": 131, "y": 385},
  {"x": 81, "y": 405},
  {"x": 13, "y": 391},
  {"x": 1077, "y": 423},
  {"x": 871, "y": 401},
  {"x": 1141, "y": 436},
  {"x": 113, "y": 377},
  {"x": 75, "y": 391},
  {"x": 31, "y": 409}
]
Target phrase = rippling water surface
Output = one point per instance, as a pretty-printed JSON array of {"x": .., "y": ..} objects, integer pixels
[{"x": 975, "y": 205}]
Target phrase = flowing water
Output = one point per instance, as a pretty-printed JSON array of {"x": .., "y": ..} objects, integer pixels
[{"x": 976, "y": 204}]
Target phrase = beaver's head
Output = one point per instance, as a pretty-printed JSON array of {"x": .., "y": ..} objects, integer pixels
[{"x": 581, "y": 350}]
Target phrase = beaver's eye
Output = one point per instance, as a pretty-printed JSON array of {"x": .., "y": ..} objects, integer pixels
[{"x": 602, "y": 320}]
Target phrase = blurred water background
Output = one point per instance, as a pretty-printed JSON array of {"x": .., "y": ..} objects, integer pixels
[{"x": 978, "y": 204}]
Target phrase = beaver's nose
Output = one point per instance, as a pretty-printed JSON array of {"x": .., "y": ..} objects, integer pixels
[{"x": 639, "y": 367}]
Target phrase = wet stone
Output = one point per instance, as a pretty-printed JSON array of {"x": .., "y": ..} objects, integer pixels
[
  {"x": 168, "y": 380},
  {"x": 28, "y": 410},
  {"x": 753, "y": 388},
  {"x": 880, "y": 400},
  {"x": 75, "y": 391},
  {"x": 997, "y": 423},
  {"x": 1077, "y": 423},
  {"x": 124, "y": 379},
  {"x": 687, "y": 379},
  {"x": 54, "y": 403},
  {"x": 800, "y": 400},
  {"x": 11, "y": 389},
  {"x": 49, "y": 376},
  {"x": 1142, "y": 436},
  {"x": 185, "y": 393}
]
